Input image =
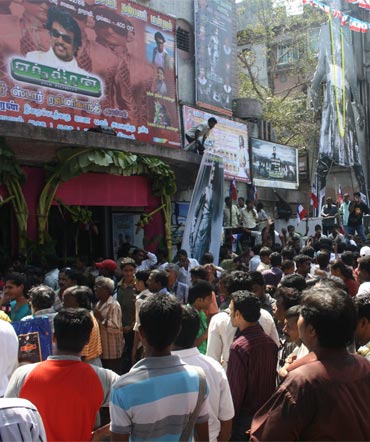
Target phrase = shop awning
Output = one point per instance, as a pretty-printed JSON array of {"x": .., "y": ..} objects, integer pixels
[{"x": 95, "y": 189}]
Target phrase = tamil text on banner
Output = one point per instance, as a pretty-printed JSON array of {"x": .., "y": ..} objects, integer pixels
[
  {"x": 69, "y": 64},
  {"x": 203, "y": 228},
  {"x": 228, "y": 138},
  {"x": 213, "y": 23},
  {"x": 274, "y": 165}
]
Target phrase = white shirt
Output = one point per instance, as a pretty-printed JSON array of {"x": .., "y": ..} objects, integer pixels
[
  {"x": 203, "y": 128},
  {"x": 249, "y": 218},
  {"x": 20, "y": 420},
  {"x": 9, "y": 354},
  {"x": 254, "y": 263},
  {"x": 221, "y": 407},
  {"x": 221, "y": 334},
  {"x": 50, "y": 59},
  {"x": 364, "y": 289},
  {"x": 147, "y": 264},
  {"x": 184, "y": 275}
]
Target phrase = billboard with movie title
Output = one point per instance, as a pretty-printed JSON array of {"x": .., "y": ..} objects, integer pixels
[{"x": 73, "y": 65}]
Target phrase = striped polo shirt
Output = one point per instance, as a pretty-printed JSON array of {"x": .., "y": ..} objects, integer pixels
[{"x": 155, "y": 399}]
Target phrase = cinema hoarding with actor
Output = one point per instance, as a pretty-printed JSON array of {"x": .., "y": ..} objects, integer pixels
[
  {"x": 203, "y": 227},
  {"x": 274, "y": 165},
  {"x": 228, "y": 138},
  {"x": 71, "y": 65},
  {"x": 213, "y": 51}
]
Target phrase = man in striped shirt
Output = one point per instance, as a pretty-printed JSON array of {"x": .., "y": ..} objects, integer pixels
[
  {"x": 252, "y": 363},
  {"x": 156, "y": 399}
]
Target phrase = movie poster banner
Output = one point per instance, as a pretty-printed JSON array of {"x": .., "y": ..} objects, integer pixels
[
  {"x": 203, "y": 227},
  {"x": 213, "y": 24},
  {"x": 228, "y": 138},
  {"x": 274, "y": 165},
  {"x": 72, "y": 65}
]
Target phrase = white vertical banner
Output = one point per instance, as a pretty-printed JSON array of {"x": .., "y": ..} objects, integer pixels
[{"x": 203, "y": 228}]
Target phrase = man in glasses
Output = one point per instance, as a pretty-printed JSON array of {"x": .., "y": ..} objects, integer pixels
[{"x": 65, "y": 40}]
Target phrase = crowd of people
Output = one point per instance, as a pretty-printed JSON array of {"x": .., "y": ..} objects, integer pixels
[{"x": 271, "y": 344}]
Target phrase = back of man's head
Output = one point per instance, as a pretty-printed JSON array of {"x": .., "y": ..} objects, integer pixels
[
  {"x": 199, "y": 272},
  {"x": 41, "y": 297},
  {"x": 72, "y": 329},
  {"x": 255, "y": 278},
  {"x": 364, "y": 264},
  {"x": 234, "y": 281},
  {"x": 160, "y": 277},
  {"x": 363, "y": 306},
  {"x": 189, "y": 328},
  {"x": 275, "y": 259},
  {"x": 200, "y": 289},
  {"x": 248, "y": 305},
  {"x": 294, "y": 281},
  {"x": 331, "y": 313},
  {"x": 160, "y": 319},
  {"x": 323, "y": 259}
]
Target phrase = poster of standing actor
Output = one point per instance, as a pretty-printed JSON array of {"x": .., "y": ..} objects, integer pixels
[
  {"x": 228, "y": 138},
  {"x": 203, "y": 228},
  {"x": 73, "y": 65},
  {"x": 213, "y": 35},
  {"x": 274, "y": 165}
]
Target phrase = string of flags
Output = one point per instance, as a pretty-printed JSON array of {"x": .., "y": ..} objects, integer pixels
[
  {"x": 361, "y": 3},
  {"x": 353, "y": 23}
]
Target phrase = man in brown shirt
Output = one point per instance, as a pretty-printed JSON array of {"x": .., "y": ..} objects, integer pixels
[{"x": 326, "y": 393}]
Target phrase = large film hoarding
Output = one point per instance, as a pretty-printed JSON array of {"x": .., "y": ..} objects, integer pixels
[
  {"x": 203, "y": 227},
  {"x": 228, "y": 139},
  {"x": 274, "y": 165},
  {"x": 68, "y": 64},
  {"x": 213, "y": 41}
]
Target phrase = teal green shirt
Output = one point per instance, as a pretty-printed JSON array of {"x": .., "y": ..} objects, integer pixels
[{"x": 20, "y": 312}]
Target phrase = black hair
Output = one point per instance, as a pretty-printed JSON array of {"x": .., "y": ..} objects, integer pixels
[
  {"x": 357, "y": 194},
  {"x": 347, "y": 258},
  {"x": 142, "y": 275},
  {"x": 265, "y": 251},
  {"x": 301, "y": 259},
  {"x": 293, "y": 312},
  {"x": 235, "y": 280},
  {"x": 255, "y": 278},
  {"x": 248, "y": 304},
  {"x": 41, "y": 297},
  {"x": 308, "y": 251},
  {"x": 65, "y": 19},
  {"x": 275, "y": 259},
  {"x": 16, "y": 278},
  {"x": 207, "y": 258},
  {"x": 82, "y": 294},
  {"x": 289, "y": 296},
  {"x": 364, "y": 264},
  {"x": 189, "y": 328},
  {"x": 294, "y": 281},
  {"x": 159, "y": 35},
  {"x": 73, "y": 275},
  {"x": 182, "y": 252},
  {"x": 332, "y": 314},
  {"x": 212, "y": 120},
  {"x": 72, "y": 329},
  {"x": 160, "y": 319},
  {"x": 200, "y": 272},
  {"x": 287, "y": 253},
  {"x": 345, "y": 270},
  {"x": 160, "y": 277},
  {"x": 363, "y": 306},
  {"x": 287, "y": 264},
  {"x": 323, "y": 259},
  {"x": 200, "y": 289}
]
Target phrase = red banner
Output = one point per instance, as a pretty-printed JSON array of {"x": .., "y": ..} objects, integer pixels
[{"x": 73, "y": 65}]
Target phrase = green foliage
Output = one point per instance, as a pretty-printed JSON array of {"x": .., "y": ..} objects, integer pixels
[
  {"x": 73, "y": 162},
  {"x": 286, "y": 107}
]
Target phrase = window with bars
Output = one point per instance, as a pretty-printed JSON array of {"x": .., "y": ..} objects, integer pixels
[
  {"x": 287, "y": 53},
  {"x": 183, "y": 39}
]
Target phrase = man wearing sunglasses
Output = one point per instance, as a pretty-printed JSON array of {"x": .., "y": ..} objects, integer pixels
[{"x": 65, "y": 40}]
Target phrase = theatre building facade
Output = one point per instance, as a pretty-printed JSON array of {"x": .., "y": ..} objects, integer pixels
[{"x": 92, "y": 121}]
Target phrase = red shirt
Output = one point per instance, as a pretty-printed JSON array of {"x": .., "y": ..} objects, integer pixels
[
  {"x": 251, "y": 370},
  {"x": 68, "y": 395}
]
